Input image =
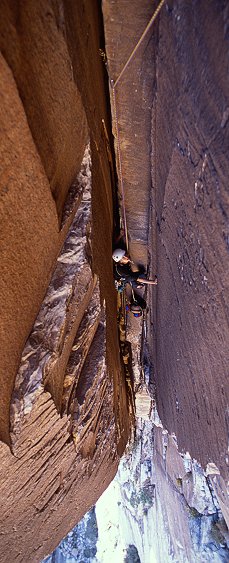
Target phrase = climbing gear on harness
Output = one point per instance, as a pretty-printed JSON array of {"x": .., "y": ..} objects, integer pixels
[
  {"x": 118, "y": 254},
  {"x": 119, "y": 286},
  {"x": 136, "y": 309}
]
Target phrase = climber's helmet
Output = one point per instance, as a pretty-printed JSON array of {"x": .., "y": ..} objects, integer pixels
[{"x": 118, "y": 254}]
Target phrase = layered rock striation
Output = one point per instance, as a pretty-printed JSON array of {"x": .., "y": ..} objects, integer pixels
[
  {"x": 64, "y": 413},
  {"x": 191, "y": 204}
]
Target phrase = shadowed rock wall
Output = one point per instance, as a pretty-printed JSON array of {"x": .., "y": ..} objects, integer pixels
[
  {"x": 175, "y": 172},
  {"x": 124, "y": 24},
  {"x": 190, "y": 120}
]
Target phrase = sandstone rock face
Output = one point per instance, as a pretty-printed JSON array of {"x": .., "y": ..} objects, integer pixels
[
  {"x": 46, "y": 486},
  {"x": 124, "y": 23},
  {"x": 68, "y": 459},
  {"x": 33, "y": 42},
  {"x": 61, "y": 379},
  {"x": 27, "y": 217},
  {"x": 59, "y": 343},
  {"x": 48, "y": 347},
  {"x": 191, "y": 201},
  {"x": 174, "y": 176}
]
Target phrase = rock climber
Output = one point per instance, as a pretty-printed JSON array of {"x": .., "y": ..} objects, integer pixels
[{"x": 124, "y": 273}]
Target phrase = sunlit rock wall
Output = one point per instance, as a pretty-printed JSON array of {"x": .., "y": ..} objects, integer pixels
[
  {"x": 162, "y": 504},
  {"x": 50, "y": 451},
  {"x": 64, "y": 419}
]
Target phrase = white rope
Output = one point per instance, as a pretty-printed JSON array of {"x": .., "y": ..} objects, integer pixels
[{"x": 113, "y": 87}]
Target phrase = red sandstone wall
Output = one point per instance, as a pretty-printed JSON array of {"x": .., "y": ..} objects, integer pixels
[{"x": 52, "y": 94}]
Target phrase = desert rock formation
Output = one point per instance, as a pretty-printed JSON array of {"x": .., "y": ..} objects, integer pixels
[
  {"x": 64, "y": 416},
  {"x": 64, "y": 412}
]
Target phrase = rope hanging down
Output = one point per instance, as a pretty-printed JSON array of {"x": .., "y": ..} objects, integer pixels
[
  {"x": 155, "y": 14},
  {"x": 113, "y": 86}
]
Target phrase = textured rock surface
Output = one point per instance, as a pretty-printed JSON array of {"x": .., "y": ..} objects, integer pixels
[
  {"x": 28, "y": 218},
  {"x": 191, "y": 199},
  {"x": 46, "y": 352},
  {"x": 52, "y": 94},
  {"x": 68, "y": 436},
  {"x": 62, "y": 463},
  {"x": 33, "y": 42},
  {"x": 47, "y": 486},
  {"x": 179, "y": 80},
  {"x": 145, "y": 506}
]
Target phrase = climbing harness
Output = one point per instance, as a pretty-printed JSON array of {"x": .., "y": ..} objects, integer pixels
[
  {"x": 119, "y": 285},
  {"x": 113, "y": 93}
]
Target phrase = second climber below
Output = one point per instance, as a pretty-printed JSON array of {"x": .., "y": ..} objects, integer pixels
[{"x": 123, "y": 271}]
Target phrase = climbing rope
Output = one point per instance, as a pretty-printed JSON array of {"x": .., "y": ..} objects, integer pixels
[
  {"x": 113, "y": 87},
  {"x": 153, "y": 18}
]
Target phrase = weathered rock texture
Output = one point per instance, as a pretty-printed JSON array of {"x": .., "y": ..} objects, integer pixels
[
  {"x": 47, "y": 350},
  {"x": 178, "y": 80},
  {"x": 60, "y": 363},
  {"x": 33, "y": 42},
  {"x": 124, "y": 23},
  {"x": 68, "y": 425},
  {"x": 28, "y": 219},
  {"x": 161, "y": 503},
  {"x": 191, "y": 200}
]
